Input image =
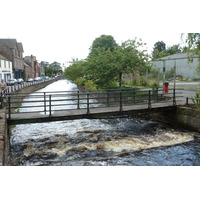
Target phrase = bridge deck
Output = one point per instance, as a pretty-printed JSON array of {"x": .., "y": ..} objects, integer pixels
[{"x": 21, "y": 118}]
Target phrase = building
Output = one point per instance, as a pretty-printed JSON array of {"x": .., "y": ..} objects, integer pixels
[
  {"x": 5, "y": 69},
  {"x": 180, "y": 60},
  {"x": 35, "y": 67},
  {"x": 13, "y": 51}
]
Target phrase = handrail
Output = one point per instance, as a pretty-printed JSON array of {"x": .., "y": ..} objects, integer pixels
[{"x": 48, "y": 102}]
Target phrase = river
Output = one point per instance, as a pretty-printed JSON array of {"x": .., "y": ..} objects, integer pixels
[{"x": 121, "y": 141}]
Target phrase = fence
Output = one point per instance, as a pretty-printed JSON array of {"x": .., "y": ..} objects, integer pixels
[
  {"x": 48, "y": 102},
  {"x": 16, "y": 87}
]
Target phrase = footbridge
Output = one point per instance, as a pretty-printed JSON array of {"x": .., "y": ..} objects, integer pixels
[{"x": 69, "y": 105}]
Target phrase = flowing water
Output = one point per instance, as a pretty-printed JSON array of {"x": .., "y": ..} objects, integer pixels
[{"x": 114, "y": 141}]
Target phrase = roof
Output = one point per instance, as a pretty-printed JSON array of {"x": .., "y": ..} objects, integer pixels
[
  {"x": 20, "y": 46},
  {"x": 12, "y": 43},
  {"x": 177, "y": 56},
  {"x": 26, "y": 65},
  {"x": 3, "y": 58}
]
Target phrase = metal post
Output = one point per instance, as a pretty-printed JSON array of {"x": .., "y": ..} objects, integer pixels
[
  {"x": 88, "y": 104},
  {"x": 120, "y": 101},
  {"x": 157, "y": 97},
  {"x": 1, "y": 101},
  {"x": 149, "y": 102},
  {"x": 174, "y": 97},
  {"x": 108, "y": 103},
  {"x": 49, "y": 105},
  {"x": 187, "y": 100},
  {"x": 134, "y": 94},
  {"x": 45, "y": 109},
  {"x": 78, "y": 97},
  {"x": 164, "y": 69},
  {"x": 9, "y": 108}
]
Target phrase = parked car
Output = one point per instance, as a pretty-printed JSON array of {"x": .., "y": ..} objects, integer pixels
[
  {"x": 12, "y": 82},
  {"x": 30, "y": 80},
  {"x": 20, "y": 80},
  {"x": 37, "y": 79}
]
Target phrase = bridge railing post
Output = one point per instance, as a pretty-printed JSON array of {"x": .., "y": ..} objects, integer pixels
[
  {"x": 45, "y": 109},
  {"x": 88, "y": 104},
  {"x": 78, "y": 99},
  {"x": 9, "y": 108},
  {"x": 134, "y": 93},
  {"x": 187, "y": 100},
  {"x": 149, "y": 99},
  {"x": 174, "y": 97},
  {"x": 108, "y": 98},
  {"x": 120, "y": 101},
  {"x": 49, "y": 105}
]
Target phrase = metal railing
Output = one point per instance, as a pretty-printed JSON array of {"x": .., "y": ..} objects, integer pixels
[
  {"x": 16, "y": 87},
  {"x": 49, "y": 102}
]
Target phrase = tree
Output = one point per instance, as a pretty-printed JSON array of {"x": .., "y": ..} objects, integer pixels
[
  {"x": 108, "y": 65},
  {"x": 174, "y": 49},
  {"x": 75, "y": 70},
  {"x": 53, "y": 69},
  {"x": 103, "y": 42},
  {"x": 159, "y": 50},
  {"x": 193, "y": 46}
]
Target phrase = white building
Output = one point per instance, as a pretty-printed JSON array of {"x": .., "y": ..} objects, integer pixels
[
  {"x": 180, "y": 60},
  {"x": 6, "y": 72}
]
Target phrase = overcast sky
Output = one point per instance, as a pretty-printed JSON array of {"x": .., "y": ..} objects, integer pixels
[{"x": 59, "y": 30}]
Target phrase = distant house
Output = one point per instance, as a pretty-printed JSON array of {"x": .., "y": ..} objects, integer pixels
[
  {"x": 13, "y": 51},
  {"x": 28, "y": 71},
  {"x": 180, "y": 60},
  {"x": 32, "y": 61},
  {"x": 5, "y": 69}
]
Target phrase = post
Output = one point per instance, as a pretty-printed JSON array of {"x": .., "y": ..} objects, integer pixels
[
  {"x": 149, "y": 102},
  {"x": 174, "y": 97},
  {"x": 187, "y": 100},
  {"x": 163, "y": 75},
  {"x": 9, "y": 108},
  {"x": 120, "y": 101},
  {"x": 1, "y": 100},
  {"x": 157, "y": 96},
  {"x": 108, "y": 103},
  {"x": 134, "y": 94},
  {"x": 49, "y": 105},
  {"x": 45, "y": 103},
  {"x": 88, "y": 104},
  {"x": 78, "y": 99},
  {"x": 174, "y": 74}
]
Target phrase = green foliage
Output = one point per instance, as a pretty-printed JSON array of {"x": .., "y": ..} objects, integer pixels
[
  {"x": 107, "y": 61},
  {"x": 75, "y": 71},
  {"x": 196, "y": 100},
  {"x": 103, "y": 42},
  {"x": 53, "y": 69},
  {"x": 169, "y": 73},
  {"x": 160, "y": 50},
  {"x": 193, "y": 47},
  {"x": 90, "y": 85}
]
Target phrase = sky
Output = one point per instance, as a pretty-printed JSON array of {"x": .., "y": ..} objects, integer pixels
[{"x": 59, "y": 30}]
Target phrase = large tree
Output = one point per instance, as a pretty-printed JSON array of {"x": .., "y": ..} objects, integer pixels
[
  {"x": 106, "y": 65},
  {"x": 103, "y": 42},
  {"x": 53, "y": 69}
]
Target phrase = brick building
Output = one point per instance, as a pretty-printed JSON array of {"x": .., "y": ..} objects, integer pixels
[{"x": 13, "y": 51}]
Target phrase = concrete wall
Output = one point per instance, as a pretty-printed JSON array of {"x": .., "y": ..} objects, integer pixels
[{"x": 183, "y": 68}]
